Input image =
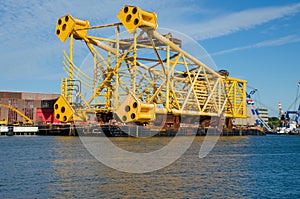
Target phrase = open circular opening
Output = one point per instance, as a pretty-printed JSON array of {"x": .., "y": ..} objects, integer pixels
[
  {"x": 64, "y": 27},
  {"x": 134, "y": 10},
  {"x": 136, "y": 21},
  {"x": 57, "y": 32},
  {"x": 134, "y": 105},
  {"x": 127, "y": 108},
  {"x": 66, "y": 18},
  {"x": 124, "y": 118},
  {"x": 132, "y": 115},
  {"x": 63, "y": 109},
  {"x": 59, "y": 21},
  {"x": 128, "y": 18},
  {"x": 57, "y": 116},
  {"x": 56, "y": 106},
  {"x": 65, "y": 118},
  {"x": 126, "y": 9}
]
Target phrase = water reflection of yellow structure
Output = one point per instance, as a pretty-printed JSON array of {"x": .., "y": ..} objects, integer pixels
[{"x": 78, "y": 174}]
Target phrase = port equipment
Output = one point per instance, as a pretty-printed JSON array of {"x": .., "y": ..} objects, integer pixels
[
  {"x": 4, "y": 122},
  {"x": 26, "y": 119},
  {"x": 289, "y": 120},
  {"x": 259, "y": 121},
  {"x": 142, "y": 76}
]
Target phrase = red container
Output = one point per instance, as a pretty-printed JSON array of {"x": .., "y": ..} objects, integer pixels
[{"x": 45, "y": 115}]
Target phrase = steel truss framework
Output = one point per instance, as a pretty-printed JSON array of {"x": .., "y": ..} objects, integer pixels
[{"x": 151, "y": 68}]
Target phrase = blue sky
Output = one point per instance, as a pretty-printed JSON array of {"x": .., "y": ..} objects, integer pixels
[{"x": 254, "y": 40}]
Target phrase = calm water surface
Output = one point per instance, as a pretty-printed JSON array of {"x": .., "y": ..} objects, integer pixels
[{"x": 238, "y": 167}]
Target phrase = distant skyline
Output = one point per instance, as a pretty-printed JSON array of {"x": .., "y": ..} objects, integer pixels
[{"x": 254, "y": 40}]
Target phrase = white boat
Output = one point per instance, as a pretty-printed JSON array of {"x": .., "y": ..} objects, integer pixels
[{"x": 291, "y": 129}]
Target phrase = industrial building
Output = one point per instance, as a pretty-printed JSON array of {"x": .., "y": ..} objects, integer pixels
[
  {"x": 264, "y": 114},
  {"x": 39, "y": 108},
  {"x": 36, "y": 106},
  {"x": 250, "y": 121}
]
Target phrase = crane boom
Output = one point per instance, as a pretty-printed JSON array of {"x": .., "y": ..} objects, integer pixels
[{"x": 26, "y": 118}]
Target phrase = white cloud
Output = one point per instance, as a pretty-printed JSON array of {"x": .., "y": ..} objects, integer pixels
[
  {"x": 275, "y": 42},
  {"x": 28, "y": 40},
  {"x": 238, "y": 21},
  {"x": 279, "y": 42}
]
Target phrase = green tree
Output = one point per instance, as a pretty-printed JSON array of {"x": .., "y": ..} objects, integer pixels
[{"x": 273, "y": 122}]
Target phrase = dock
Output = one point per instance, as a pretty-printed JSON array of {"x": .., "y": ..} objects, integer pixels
[{"x": 118, "y": 131}]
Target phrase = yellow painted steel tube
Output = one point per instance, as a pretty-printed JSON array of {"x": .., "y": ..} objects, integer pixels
[
  {"x": 102, "y": 45},
  {"x": 178, "y": 49}
]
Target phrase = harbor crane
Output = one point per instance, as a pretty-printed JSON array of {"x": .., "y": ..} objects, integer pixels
[
  {"x": 26, "y": 119},
  {"x": 141, "y": 78},
  {"x": 259, "y": 121},
  {"x": 289, "y": 120}
]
